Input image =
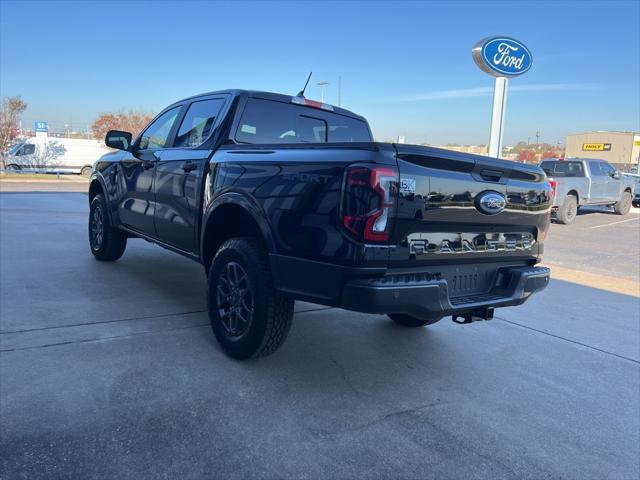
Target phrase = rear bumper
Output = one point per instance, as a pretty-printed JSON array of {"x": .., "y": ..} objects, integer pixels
[
  {"x": 421, "y": 294},
  {"x": 412, "y": 295}
]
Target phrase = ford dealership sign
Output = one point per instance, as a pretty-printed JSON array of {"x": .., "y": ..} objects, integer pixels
[{"x": 502, "y": 56}]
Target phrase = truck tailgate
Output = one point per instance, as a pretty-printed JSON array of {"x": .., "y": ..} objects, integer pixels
[{"x": 440, "y": 222}]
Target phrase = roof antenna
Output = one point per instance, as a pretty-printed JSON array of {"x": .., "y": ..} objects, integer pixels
[{"x": 301, "y": 93}]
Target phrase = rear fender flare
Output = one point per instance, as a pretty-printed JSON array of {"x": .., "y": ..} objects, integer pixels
[{"x": 250, "y": 206}]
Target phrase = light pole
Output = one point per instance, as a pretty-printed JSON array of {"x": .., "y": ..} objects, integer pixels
[{"x": 322, "y": 85}]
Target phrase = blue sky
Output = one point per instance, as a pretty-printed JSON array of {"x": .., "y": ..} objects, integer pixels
[{"x": 406, "y": 66}]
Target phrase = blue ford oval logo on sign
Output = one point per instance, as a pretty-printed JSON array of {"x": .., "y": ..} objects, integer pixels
[
  {"x": 490, "y": 203},
  {"x": 502, "y": 56}
]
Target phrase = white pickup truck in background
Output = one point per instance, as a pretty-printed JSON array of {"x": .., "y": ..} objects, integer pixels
[
  {"x": 579, "y": 182},
  {"x": 55, "y": 155}
]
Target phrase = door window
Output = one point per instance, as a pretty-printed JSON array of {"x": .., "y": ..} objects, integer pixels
[
  {"x": 157, "y": 134},
  {"x": 594, "y": 167},
  {"x": 607, "y": 169},
  {"x": 198, "y": 123},
  {"x": 28, "y": 149}
]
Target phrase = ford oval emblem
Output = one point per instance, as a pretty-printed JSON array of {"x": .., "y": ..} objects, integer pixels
[
  {"x": 490, "y": 203},
  {"x": 502, "y": 56}
]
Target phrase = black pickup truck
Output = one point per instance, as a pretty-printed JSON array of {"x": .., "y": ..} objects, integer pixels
[{"x": 283, "y": 198}]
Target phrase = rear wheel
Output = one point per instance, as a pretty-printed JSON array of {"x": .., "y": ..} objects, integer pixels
[
  {"x": 409, "y": 321},
  {"x": 107, "y": 243},
  {"x": 12, "y": 168},
  {"x": 248, "y": 316},
  {"x": 568, "y": 210},
  {"x": 623, "y": 206},
  {"x": 86, "y": 171}
]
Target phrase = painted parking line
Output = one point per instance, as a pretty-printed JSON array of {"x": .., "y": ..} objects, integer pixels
[{"x": 615, "y": 223}]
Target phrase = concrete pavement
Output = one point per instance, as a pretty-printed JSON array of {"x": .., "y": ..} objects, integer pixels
[{"x": 111, "y": 371}]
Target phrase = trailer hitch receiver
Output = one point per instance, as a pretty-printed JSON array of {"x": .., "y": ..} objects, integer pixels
[{"x": 482, "y": 313}]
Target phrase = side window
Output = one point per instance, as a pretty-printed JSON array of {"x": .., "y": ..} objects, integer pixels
[
  {"x": 594, "y": 168},
  {"x": 27, "y": 149},
  {"x": 606, "y": 169},
  {"x": 157, "y": 134},
  {"x": 198, "y": 123}
]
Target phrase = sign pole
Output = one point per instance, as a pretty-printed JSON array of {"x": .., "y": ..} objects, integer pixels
[
  {"x": 497, "y": 116},
  {"x": 502, "y": 58}
]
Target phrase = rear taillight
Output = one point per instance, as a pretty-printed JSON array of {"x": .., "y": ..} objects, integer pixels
[
  {"x": 369, "y": 202},
  {"x": 553, "y": 188}
]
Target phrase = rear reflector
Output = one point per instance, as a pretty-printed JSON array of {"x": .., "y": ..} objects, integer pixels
[{"x": 311, "y": 103}]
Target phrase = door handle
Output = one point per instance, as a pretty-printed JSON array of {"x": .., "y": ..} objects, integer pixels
[{"x": 189, "y": 166}]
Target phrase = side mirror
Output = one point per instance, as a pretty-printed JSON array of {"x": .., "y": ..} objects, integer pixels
[
  {"x": 118, "y": 139},
  {"x": 616, "y": 175}
]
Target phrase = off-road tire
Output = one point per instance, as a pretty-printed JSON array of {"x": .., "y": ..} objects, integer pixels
[
  {"x": 623, "y": 206},
  {"x": 113, "y": 241},
  {"x": 270, "y": 319},
  {"x": 568, "y": 210},
  {"x": 409, "y": 321}
]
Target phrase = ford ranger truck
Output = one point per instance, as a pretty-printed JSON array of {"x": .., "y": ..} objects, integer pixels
[{"x": 282, "y": 198}]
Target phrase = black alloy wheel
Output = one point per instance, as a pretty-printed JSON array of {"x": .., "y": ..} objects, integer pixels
[
  {"x": 96, "y": 227},
  {"x": 235, "y": 299}
]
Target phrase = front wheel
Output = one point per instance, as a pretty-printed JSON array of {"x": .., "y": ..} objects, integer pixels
[
  {"x": 623, "y": 206},
  {"x": 86, "y": 171},
  {"x": 409, "y": 321},
  {"x": 249, "y": 317},
  {"x": 107, "y": 243}
]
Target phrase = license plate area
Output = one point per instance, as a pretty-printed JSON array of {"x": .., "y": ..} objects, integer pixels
[{"x": 469, "y": 279}]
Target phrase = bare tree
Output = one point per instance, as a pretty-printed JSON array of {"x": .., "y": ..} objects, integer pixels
[
  {"x": 46, "y": 155},
  {"x": 130, "y": 121},
  {"x": 10, "y": 111}
]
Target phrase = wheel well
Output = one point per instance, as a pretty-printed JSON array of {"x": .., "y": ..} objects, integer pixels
[
  {"x": 574, "y": 193},
  {"x": 628, "y": 190},
  {"x": 94, "y": 189},
  {"x": 227, "y": 221}
]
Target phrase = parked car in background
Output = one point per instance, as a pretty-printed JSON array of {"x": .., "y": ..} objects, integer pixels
[
  {"x": 283, "y": 198},
  {"x": 579, "y": 182},
  {"x": 636, "y": 191},
  {"x": 51, "y": 155}
]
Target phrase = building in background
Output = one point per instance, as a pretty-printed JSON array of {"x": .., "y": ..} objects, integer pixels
[
  {"x": 621, "y": 149},
  {"x": 477, "y": 149}
]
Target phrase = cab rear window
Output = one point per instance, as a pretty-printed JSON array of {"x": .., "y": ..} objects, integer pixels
[
  {"x": 563, "y": 168},
  {"x": 271, "y": 122}
]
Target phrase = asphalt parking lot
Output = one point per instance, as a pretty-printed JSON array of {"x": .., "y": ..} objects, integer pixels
[{"x": 111, "y": 371}]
